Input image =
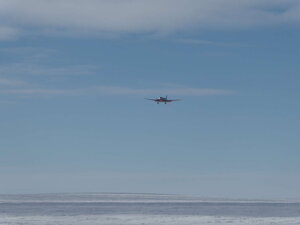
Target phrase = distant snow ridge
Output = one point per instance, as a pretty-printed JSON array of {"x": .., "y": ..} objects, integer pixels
[
  {"x": 142, "y": 209},
  {"x": 123, "y": 197},
  {"x": 97, "y": 197}
]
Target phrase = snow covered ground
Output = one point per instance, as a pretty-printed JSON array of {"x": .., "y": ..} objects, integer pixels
[
  {"x": 142, "y": 209},
  {"x": 145, "y": 220}
]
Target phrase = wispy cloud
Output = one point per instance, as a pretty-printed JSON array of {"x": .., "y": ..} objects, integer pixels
[
  {"x": 186, "y": 91},
  {"x": 115, "y": 90},
  {"x": 29, "y": 54},
  {"x": 7, "y": 33},
  {"x": 36, "y": 92},
  {"x": 24, "y": 68},
  {"x": 11, "y": 82},
  {"x": 213, "y": 43},
  {"x": 90, "y": 17}
]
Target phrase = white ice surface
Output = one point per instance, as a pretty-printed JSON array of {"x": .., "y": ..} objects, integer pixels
[{"x": 145, "y": 220}]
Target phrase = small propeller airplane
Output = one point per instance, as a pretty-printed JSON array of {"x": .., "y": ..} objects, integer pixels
[{"x": 163, "y": 100}]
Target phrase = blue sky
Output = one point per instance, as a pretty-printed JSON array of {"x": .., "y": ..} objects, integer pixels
[{"x": 74, "y": 75}]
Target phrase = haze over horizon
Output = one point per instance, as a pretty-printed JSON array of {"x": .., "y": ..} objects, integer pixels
[{"x": 74, "y": 75}]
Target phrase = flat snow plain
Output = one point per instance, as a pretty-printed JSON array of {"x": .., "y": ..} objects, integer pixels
[{"x": 142, "y": 209}]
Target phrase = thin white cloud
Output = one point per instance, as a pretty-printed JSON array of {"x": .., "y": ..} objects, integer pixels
[
  {"x": 179, "y": 91},
  {"x": 115, "y": 90},
  {"x": 7, "y": 33},
  {"x": 136, "y": 16},
  {"x": 11, "y": 82},
  {"x": 35, "y": 92},
  {"x": 24, "y": 68},
  {"x": 29, "y": 54},
  {"x": 213, "y": 43}
]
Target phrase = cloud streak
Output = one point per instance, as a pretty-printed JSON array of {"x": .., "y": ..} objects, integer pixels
[
  {"x": 7, "y": 33},
  {"x": 36, "y": 92},
  {"x": 38, "y": 69},
  {"x": 115, "y": 90},
  {"x": 137, "y": 16},
  {"x": 11, "y": 82},
  {"x": 182, "y": 91},
  {"x": 212, "y": 43}
]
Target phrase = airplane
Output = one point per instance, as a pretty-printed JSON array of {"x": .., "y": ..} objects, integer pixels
[{"x": 162, "y": 99}]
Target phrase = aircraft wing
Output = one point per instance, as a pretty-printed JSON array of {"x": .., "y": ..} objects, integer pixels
[
  {"x": 150, "y": 99},
  {"x": 173, "y": 100}
]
